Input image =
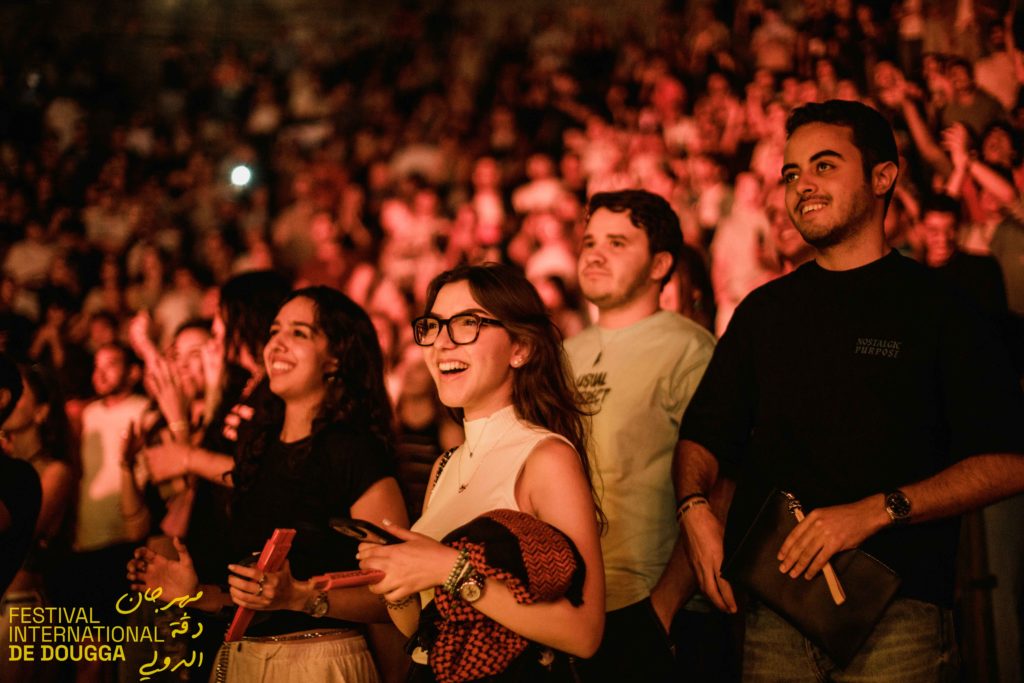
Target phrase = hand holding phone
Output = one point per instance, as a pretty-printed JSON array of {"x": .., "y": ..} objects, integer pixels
[
  {"x": 363, "y": 531},
  {"x": 270, "y": 560},
  {"x": 356, "y": 577}
]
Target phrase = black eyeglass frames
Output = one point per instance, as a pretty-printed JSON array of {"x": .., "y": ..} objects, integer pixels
[{"x": 462, "y": 329}]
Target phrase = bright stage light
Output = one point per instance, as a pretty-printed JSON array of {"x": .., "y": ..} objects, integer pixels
[{"x": 241, "y": 175}]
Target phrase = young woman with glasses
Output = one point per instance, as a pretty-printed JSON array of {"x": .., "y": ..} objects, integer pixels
[
  {"x": 498, "y": 363},
  {"x": 320, "y": 449}
]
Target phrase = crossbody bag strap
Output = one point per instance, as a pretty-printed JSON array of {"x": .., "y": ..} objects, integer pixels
[{"x": 445, "y": 457}]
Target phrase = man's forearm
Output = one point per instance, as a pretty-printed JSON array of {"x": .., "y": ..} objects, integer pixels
[
  {"x": 720, "y": 497},
  {"x": 967, "y": 485},
  {"x": 992, "y": 181},
  {"x": 694, "y": 469},
  {"x": 695, "y": 473},
  {"x": 676, "y": 584}
]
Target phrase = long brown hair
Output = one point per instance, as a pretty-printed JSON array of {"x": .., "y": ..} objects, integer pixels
[
  {"x": 543, "y": 391},
  {"x": 354, "y": 392}
]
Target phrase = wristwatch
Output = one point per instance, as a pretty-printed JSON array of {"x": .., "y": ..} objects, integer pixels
[
  {"x": 319, "y": 605},
  {"x": 472, "y": 588},
  {"x": 897, "y": 506}
]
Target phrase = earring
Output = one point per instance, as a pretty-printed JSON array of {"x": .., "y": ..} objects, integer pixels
[{"x": 516, "y": 362}]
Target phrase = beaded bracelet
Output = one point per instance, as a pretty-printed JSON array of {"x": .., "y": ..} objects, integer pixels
[
  {"x": 453, "y": 576},
  {"x": 466, "y": 572},
  {"x": 464, "y": 577}
]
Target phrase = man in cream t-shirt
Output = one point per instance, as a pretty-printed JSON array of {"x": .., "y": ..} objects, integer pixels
[
  {"x": 636, "y": 369},
  {"x": 102, "y": 545}
]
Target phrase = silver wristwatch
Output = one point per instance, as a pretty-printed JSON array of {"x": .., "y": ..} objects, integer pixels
[{"x": 319, "y": 605}]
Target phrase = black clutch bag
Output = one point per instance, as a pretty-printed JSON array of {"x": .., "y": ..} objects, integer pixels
[{"x": 838, "y": 629}]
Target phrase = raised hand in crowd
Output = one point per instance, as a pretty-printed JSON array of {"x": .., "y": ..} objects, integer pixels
[
  {"x": 133, "y": 506},
  {"x": 50, "y": 338},
  {"x": 139, "y": 330},
  {"x": 148, "y": 571},
  {"x": 166, "y": 384},
  {"x": 893, "y": 89},
  {"x": 971, "y": 175},
  {"x": 956, "y": 141},
  {"x": 168, "y": 460}
]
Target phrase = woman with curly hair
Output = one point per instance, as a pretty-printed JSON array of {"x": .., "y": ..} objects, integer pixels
[{"x": 320, "y": 448}]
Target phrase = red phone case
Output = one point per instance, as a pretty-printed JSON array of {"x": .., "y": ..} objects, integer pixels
[
  {"x": 356, "y": 577},
  {"x": 274, "y": 553}
]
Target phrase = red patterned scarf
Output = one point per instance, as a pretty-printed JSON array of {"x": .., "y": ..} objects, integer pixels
[{"x": 537, "y": 563}]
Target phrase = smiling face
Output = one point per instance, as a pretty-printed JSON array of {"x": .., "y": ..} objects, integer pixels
[
  {"x": 296, "y": 356},
  {"x": 476, "y": 377},
  {"x": 827, "y": 196},
  {"x": 938, "y": 233},
  {"x": 615, "y": 263},
  {"x": 187, "y": 352},
  {"x": 110, "y": 374},
  {"x": 997, "y": 148}
]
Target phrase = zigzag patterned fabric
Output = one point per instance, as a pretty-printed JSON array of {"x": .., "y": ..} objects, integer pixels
[{"x": 536, "y": 561}]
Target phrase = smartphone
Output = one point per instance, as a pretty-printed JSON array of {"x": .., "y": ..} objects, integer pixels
[
  {"x": 270, "y": 560},
  {"x": 249, "y": 560},
  {"x": 358, "y": 577},
  {"x": 361, "y": 530}
]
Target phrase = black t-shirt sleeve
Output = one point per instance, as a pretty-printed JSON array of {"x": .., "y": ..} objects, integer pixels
[
  {"x": 351, "y": 462},
  {"x": 20, "y": 494},
  {"x": 980, "y": 393},
  {"x": 721, "y": 414}
]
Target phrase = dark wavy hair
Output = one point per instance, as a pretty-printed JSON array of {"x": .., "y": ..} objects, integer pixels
[
  {"x": 871, "y": 132},
  {"x": 649, "y": 212},
  {"x": 355, "y": 392},
  {"x": 55, "y": 432},
  {"x": 543, "y": 391},
  {"x": 10, "y": 379},
  {"x": 248, "y": 304}
]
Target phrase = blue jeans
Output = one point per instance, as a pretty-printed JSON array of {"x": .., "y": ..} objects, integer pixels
[{"x": 913, "y": 643}]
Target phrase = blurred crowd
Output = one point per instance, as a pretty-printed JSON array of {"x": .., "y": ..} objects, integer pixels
[{"x": 371, "y": 163}]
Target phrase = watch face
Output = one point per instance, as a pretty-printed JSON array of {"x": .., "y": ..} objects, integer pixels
[
  {"x": 320, "y": 605},
  {"x": 898, "y": 505},
  {"x": 471, "y": 591}
]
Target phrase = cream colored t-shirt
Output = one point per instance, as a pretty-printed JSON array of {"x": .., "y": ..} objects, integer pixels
[
  {"x": 639, "y": 380},
  {"x": 100, "y": 522}
]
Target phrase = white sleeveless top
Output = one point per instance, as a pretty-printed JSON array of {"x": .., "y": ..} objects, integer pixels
[{"x": 487, "y": 467}]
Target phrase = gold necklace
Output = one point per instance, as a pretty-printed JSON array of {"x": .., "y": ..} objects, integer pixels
[{"x": 472, "y": 452}]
